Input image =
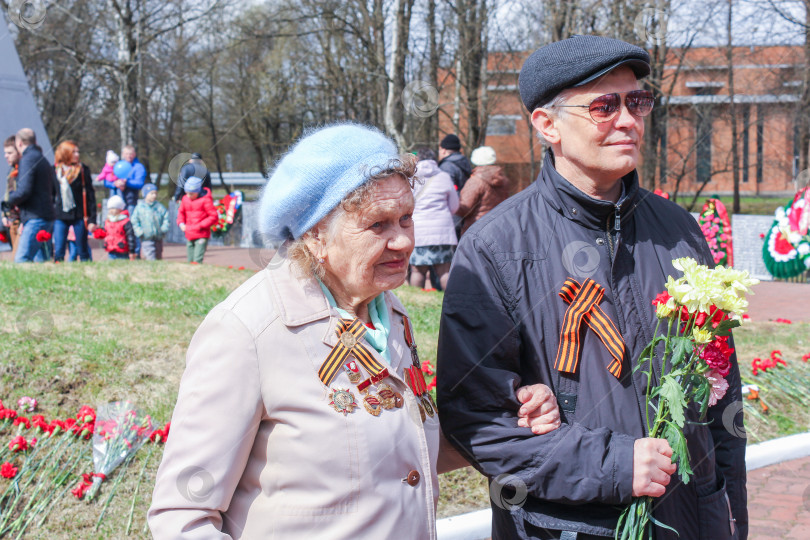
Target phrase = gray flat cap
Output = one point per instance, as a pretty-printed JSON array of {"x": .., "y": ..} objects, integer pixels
[{"x": 575, "y": 61}]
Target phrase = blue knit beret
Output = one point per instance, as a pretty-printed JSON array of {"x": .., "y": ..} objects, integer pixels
[
  {"x": 575, "y": 61},
  {"x": 320, "y": 170}
]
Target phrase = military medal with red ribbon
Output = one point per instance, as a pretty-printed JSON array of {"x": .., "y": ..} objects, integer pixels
[{"x": 415, "y": 377}]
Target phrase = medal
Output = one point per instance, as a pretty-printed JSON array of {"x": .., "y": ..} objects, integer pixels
[
  {"x": 342, "y": 400},
  {"x": 373, "y": 404},
  {"x": 399, "y": 401},
  {"x": 353, "y": 372},
  {"x": 428, "y": 406},
  {"x": 348, "y": 340},
  {"x": 421, "y": 410},
  {"x": 387, "y": 395}
]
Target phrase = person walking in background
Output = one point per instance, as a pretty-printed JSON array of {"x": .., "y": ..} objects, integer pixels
[
  {"x": 120, "y": 239},
  {"x": 150, "y": 221},
  {"x": 453, "y": 162},
  {"x": 487, "y": 187},
  {"x": 75, "y": 202},
  {"x": 193, "y": 167},
  {"x": 11, "y": 214},
  {"x": 34, "y": 195},
  {"x": 195, "y": 218},
  {"x": 436, "y": 199}
]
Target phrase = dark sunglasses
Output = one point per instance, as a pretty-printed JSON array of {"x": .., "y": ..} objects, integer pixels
[{"x": 605, "y": 108}]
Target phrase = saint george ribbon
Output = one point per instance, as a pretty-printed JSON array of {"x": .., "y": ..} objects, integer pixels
[
  {"x": 350, "y": 335},
  {"x": 583, "y": 303}
]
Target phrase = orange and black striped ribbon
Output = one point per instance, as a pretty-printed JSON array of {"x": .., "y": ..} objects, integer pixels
[
  {"x": 584, "y": 305},
  {"x": 339, "y": 353}
]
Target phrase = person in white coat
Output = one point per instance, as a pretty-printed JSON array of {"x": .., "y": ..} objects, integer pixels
[
  {"x": 302, "y": 412},
  {"x": 435, "y": 240}
]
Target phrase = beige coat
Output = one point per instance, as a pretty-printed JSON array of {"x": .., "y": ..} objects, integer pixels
[{"x": 255, "y": 449}]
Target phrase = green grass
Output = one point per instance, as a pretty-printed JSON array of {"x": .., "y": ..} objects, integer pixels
[{"x": 87, "y": 334}]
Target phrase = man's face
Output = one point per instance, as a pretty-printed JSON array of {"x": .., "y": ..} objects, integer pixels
[
  {"x": 11, "y": 155},
  {"x": 128, "y": 154},
  {"x": 603, "y": 152}
]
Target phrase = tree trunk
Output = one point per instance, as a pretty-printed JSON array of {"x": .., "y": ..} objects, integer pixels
[
  {"x": 394, "y": 110},
  {"x": 735, "y": 162}
]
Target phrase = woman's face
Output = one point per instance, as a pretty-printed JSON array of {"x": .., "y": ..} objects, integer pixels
[
  {"x": 369, "y": 250},
  {"x": 75, "y": 155}
]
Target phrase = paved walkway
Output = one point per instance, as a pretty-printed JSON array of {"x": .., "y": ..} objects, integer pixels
[{"x": 779, "y": 501}]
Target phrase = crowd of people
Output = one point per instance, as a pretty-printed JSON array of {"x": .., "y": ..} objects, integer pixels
[{"x": 50, "y": 211}]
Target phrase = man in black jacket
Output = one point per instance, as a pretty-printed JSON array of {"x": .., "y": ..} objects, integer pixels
[
  {"x": 453, "y": 162},
  {"x": 585, "y": 217},
  {"x": 195, "y": 166},
  {"x": 34, "y": 196}
]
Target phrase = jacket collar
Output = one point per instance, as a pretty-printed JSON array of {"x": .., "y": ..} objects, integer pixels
[
  {"x": 581, "y": 208},
  {"x": 301, "y": 301}
]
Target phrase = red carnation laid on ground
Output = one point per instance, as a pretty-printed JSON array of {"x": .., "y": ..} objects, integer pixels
[{"x": 8, "y": 470}]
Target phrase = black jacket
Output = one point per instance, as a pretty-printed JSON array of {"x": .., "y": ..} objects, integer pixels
[
  {"x": 78, "y": 197},
  {"x": 458, "y": 167},
  {"x": 36, "y": 186},
  {"x": 188, "y": 170},
  {"x": 500, "y": 329}
]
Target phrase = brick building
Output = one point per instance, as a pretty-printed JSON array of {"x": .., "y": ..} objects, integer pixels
[{"x": 697, "y": 144}]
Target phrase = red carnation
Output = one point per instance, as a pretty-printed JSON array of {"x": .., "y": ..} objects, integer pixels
[
  {"x": 43, "y": 236},
  {"x": 716, "y": 355},
  {"x": 86, "y": 414},
  {"x": 806, "y": 357},
  {"x": 22, "y": 420},
  {"x": 18, "y": 444},
  {"x": 662, "y": 298},
  {"x": 99, "y": 233},
  {"x": 8, "y": 470},
  {"x": 785, "y": 321},
  {"x": 3, "y": 238}
]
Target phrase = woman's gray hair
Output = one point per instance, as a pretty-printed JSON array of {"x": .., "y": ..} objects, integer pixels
[
  {"x": 555, "y": 102},
  {"x": 304, "y": 263}
]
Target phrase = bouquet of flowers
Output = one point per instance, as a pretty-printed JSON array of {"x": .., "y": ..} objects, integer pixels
[
  {"x": 786, "y": 250},
  {"x": 699, "y": 310},
  {"x": 121, "y": 429}
]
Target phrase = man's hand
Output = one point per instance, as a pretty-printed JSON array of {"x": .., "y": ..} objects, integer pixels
[
  {"x": 5, "y": 222},
  {"x": 539, "y": 410},
  {"x": 120, "y": 184},
  {"x": 182, "y": 227},
  {"x": 91, "y": 227},
  {"x": 652, "y": 467}
]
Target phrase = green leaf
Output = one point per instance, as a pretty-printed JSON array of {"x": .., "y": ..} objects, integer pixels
[
  {"x": 662, "y": 525},
  {"x": 680, "y": 452},
  {"x": 672, "y": 393},
  {"x": 724, "y": 327},
  {"x": 681, "y": 348}
]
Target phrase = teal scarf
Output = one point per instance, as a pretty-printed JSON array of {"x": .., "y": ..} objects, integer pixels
[{"x": 378, "y": 312}]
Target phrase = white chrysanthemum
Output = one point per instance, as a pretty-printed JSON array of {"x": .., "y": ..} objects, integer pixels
[
  {"x": 803, "y": 249},
  {"x": 780, "y": 213}
]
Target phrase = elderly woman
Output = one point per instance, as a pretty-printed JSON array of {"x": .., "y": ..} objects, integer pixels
[{"x": 302, "y": 412}]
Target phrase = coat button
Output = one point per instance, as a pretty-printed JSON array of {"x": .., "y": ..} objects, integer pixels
[
  {"x": 574, "y": 211},
  {"x": 413, "y": 478},
  {"x": 600, "y": 241}
]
